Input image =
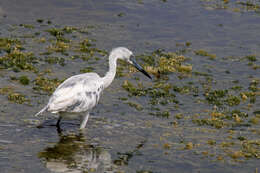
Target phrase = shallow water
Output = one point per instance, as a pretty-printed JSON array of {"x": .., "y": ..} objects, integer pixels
[{"x": 126, "y": 132}]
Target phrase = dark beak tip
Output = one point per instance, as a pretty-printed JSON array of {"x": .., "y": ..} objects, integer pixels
[
  {"x": 140, "y": 68},
  {"x": 146, "y": 74},
  {"x": 150, "y": 77}
]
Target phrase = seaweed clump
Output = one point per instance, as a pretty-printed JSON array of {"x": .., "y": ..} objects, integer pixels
[
  {"x": 46, "y": 84},
  {"x": 160, "y": 62},
  {"x": 14, "y": 97},
  {"x": 205, "y": 53},
  {"x": 7, "y": 44},
  {"x": 160, "y": 93},
  {"x": 18, "y": 60}
]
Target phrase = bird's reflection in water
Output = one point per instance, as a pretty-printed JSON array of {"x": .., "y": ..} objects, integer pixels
[{"x": 72, "y": 154}]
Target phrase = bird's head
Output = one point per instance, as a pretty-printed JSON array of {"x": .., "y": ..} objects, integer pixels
[{"x": 127, "y": 55}]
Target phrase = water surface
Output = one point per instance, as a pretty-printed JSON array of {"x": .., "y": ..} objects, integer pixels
[{"x": 126, "y": 132}]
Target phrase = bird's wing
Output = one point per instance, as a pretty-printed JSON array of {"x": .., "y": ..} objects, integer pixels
[{"x": 76, "y": 94}]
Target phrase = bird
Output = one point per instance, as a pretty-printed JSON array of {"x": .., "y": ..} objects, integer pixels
[{"x": 81, "y": 93}]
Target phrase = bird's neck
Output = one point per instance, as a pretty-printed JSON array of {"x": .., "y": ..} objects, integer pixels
[{"x": 110, "y": 75}]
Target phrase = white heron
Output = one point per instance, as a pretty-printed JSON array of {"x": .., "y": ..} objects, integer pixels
[{"x": 81, "y": 93}]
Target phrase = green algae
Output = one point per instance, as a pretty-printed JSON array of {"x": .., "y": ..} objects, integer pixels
[
  {"x": 13, "y": 96},
  {"x": 120, "y": 71},
  {"x": 249, "y": 5},
  {"x": 160, "y": 62},
  {"x": 29, "y": 26},
  {"x": 45, "y": 84},
  {"x": 87, "y": 46},
  {"x": 59, "y": 46},
  {"x": 251, "y": 148},
  {"x": 232, "y": 100},
  {"x": 121, "y": 14},
  {"x": 58, "y": 33},
  {"x": 251, "y": 58},
  {"x": 24, "y": 80},
  {"x": 200, "y": 73},
  {"x": 55, "y": 60},
  {"x": 40, "y": 20},
  {"x": 188, "y": 146},
  {"x": 18, "y": 60},
  {"x": 253, "y": 86},
  {"x": 205, "y": 53},
  {"x": 215, "y": 97},
  {"x": 186, "y": 89},
  {"x": 236, "y": 88},
  {"x": 5, "y": 90},
  {"x": 252, "y": 61},
  {"x": 69, "y": 29},
  {"x": 133, "y": 91},
  {"x": 217, "y": 123},
  {"x": 87, "y": 70},
  {"x": 137, "y": 106},
  {"x": 163, "y": 114},
  {"x": 221, "y": 119},
  {"x": 233, "y": 6},
  {"x": 158, "y": 94},
  {"x": 179, "y": 116},
  {"x": 212, "y": 142},
  {"x": 17, "y": 98},
  {"x": 8, "y": 44},
  {"x": 254, "y": 120},
  {"x": 171, "y": 62},
  {"x": 239, "y": 113},
  {"x": 148, "y": 59}
]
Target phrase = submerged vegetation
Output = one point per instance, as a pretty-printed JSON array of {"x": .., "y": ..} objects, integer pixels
[
  {"x": 7, "y": 44},
  {"x": 13, "y": 96},
  {"x": 46, "y": 84},
  {"x": 232, "y": 5},
  {"x": 18, "y": 60},
  {"x": 205, "y": 53},
  {"x": 160, "y": 62}
]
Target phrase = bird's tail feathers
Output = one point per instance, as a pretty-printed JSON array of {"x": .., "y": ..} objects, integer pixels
[{"x": 41, "y": 111}]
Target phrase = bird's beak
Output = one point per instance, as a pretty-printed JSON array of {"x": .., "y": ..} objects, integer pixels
[{"x": 138, "y": 67}]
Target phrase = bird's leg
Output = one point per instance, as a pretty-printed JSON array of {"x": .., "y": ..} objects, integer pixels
[
  {"x": 84, "y": 121},
  {"x": 59, "y": 130},
  {"x": 58, "y": 122},
  {"x": 58, "y": 125}
]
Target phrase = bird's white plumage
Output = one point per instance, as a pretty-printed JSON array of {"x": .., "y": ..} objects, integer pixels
[
  {"x": 80, "y": 93},
  {"x": 76, "y": 94}
]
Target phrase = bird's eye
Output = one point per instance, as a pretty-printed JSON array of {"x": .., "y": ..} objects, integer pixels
[{"x": 131, "y": 57}]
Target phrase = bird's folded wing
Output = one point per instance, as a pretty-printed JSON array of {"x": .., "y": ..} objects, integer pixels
[
  {"x": 65, "y": 99},
  {"x": 72, "y": 94}
]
